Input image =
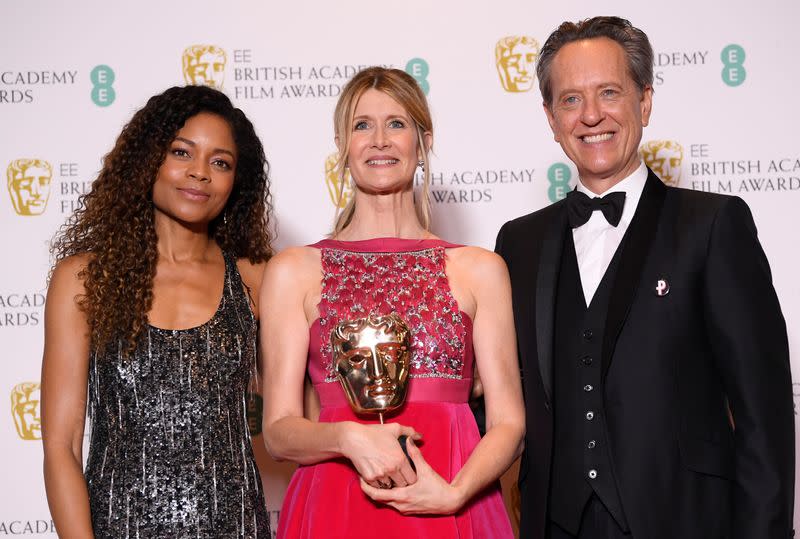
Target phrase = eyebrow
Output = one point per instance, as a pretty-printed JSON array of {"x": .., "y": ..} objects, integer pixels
[
  {"x": 216, "y": 150},
  {"x": 388, "y": 117}
]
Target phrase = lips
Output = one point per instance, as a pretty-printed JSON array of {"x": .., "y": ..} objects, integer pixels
[
  {"x": 195, "y": 194},
  {"x": 382, "y": 161},
  {"x": 594, "y": 139},
  {"x": 381, "y": 390}
]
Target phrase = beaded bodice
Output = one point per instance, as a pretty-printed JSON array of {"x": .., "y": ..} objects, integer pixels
[{"x": 388, "y": 275}]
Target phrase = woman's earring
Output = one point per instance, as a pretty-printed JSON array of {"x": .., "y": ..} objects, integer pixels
[{"x": 421, "y": 164}]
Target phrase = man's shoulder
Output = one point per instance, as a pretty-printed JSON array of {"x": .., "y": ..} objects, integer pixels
[
  {"x": 702, "y": 202},
  {"x": 531, "y": 221}
]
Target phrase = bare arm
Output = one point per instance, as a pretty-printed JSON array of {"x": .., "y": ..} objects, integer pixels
[
  {"x": 496, "y": 354},
  {"x": 65, "y": 368},
  {"x": 373, "y": 449}
]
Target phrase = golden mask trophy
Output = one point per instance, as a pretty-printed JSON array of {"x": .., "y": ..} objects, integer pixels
[{"x": 371, "y": 356}]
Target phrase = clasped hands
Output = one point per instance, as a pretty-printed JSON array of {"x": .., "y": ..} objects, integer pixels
[{"x": 387, "y": 476}]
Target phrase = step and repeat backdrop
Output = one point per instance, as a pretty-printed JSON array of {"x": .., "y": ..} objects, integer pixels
[{"x": 71, "y": 74}]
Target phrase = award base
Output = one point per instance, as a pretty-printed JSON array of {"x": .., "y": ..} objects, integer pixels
[{"x": 402, "y": 440}]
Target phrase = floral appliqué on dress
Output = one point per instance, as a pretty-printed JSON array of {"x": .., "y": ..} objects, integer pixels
[{"x": 412, "y": 284}]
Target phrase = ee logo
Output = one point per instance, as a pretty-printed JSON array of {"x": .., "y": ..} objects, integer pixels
[
  {"x": 733, "y": 72},
  {"x": 559, "y": 176},
  {"x": 102, "y": 78},
  {"x": 418, "y": 68}
]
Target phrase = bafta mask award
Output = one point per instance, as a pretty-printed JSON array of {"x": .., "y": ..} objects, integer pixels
[{"x": 371, "y": 356}]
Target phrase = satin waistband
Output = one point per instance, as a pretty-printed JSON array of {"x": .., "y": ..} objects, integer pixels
[{"x": 419, "y": 390}]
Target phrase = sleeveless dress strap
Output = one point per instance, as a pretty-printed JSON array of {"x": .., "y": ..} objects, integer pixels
[{"x": 236, "y": 291}]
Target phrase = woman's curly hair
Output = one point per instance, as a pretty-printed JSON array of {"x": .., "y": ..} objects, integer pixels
[{"x": 115, "y": 224}]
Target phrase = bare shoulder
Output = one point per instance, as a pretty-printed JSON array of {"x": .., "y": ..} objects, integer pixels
[
  {"x": 292, "y": 283},
  {"x": 64, "y": 295},
  {"x": 297, "y": 267},
  {"x": 477, "y": 264},
  {"x": 251, "y": 273},
  {"x": 300, "y": 260},
  {"x": 67, "y": 279},
  {"x": 477, "y": 277}
]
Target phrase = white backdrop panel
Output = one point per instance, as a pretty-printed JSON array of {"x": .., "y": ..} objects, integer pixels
[{"x": 495, "y": 158}]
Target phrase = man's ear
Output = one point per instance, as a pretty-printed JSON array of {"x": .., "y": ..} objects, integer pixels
[
  {"x": 551, "y": 120},
  {"x": 646, "y": 105}
]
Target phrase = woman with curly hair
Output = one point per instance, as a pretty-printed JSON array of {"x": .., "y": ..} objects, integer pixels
[{"x": 152, "y": 305}]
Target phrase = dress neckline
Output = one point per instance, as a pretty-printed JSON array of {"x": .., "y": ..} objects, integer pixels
[
  {"x": 385, "y": 245},
  {"x": 220, "y": 304}
]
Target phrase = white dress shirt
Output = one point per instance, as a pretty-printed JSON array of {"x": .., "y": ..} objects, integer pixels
[{"x": 596, "y": 241}]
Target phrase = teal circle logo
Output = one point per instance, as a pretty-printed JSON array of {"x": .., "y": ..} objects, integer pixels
[
  {"x": 733, "y": 71},
  {"x": 559, "y": 176},
  {"x": 102, "y": 78},
  {"x": 419, "y": 69}
]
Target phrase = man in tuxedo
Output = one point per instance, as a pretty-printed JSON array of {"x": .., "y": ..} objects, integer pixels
[{"x": 653, "y": 349}]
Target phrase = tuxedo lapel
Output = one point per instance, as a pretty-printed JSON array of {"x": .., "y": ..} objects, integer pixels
[
  {"x": 636, "y": 246},
  {"x": 546, "y": 286}
]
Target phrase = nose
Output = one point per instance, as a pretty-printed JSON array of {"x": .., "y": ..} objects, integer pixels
[
  {"x": 199, "y": 171},
  {"x": 36, "y": 188},
  {"x": 592, "y": 113},
  {"x": 379, "y": 138},
  {"x": 377, "y": 368}
]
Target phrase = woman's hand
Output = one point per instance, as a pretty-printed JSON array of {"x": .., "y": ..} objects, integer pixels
[
  {"x": 377, "y": 455},
  {"x": 430, "y": 494}
]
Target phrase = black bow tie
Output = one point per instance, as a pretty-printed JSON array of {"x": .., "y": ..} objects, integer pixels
[{"x": 580, "y": 207}]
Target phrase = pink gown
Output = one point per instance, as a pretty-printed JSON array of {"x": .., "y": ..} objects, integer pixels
[{"x": 408, "y": 277}]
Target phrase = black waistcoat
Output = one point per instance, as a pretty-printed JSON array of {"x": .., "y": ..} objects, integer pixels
[{"x": 581, "y": 463}]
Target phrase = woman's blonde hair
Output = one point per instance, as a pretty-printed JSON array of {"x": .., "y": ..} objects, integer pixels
[{"x": 401, "y": 87}]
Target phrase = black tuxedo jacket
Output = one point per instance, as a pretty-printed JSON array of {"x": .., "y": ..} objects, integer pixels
[{"x": 680, "y": 370}]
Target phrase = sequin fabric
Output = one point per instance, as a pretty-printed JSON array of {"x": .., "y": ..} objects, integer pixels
[
  {"x": 412, "y": 284},
  {"x": 170, "y": 452}
]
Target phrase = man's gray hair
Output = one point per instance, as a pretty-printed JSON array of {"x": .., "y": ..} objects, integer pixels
[{"x": 632, "y": 40}]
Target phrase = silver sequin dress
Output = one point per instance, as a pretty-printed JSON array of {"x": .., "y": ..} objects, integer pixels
[{"x": 170, "y": 453}]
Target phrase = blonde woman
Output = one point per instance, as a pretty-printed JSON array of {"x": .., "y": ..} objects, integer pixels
[{"x": 354, "y": 479}]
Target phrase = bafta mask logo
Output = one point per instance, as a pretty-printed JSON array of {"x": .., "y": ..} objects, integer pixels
[
  {"x": 372, "y": 358},
  {"x": 29, "y": 185},
  {"x": 664, "y": 158},
  {"x": 25, "y": 410},
  {"x": 339, "y": 189},
  {"x": 204, "y": 65},
  {"x": 515, "y": 57}
]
